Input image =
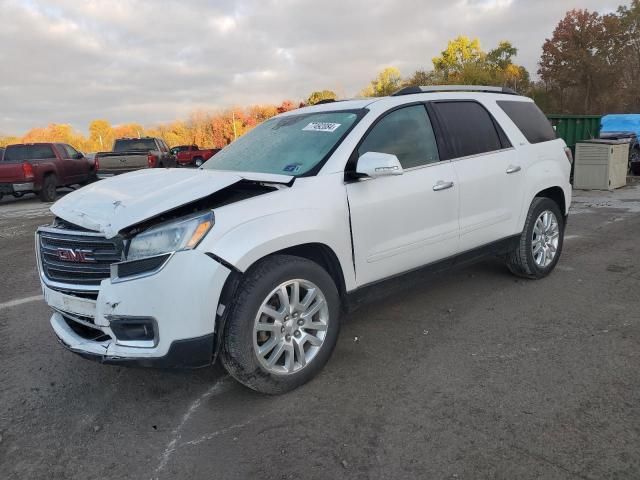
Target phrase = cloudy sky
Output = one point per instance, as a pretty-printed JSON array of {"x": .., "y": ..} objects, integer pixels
[{"x": 150, "y": 61}]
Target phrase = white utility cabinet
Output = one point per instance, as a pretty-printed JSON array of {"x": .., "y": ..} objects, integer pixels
[{"x": 601, "y": 164}]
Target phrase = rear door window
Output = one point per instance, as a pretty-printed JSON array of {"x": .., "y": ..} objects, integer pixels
[
  {"x": 533, "y": 124},
  {"x": 469, "y": 129},
  {"x": 405, "y": 133}
]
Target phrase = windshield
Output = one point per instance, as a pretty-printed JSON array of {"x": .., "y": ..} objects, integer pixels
[
  {"x": 19, "y": 153},
  {"x": 291, "y": 145},
  {"x": 126, "y": 145}
]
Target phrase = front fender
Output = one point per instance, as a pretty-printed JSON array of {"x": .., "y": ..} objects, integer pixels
[{"x": 254, "y": 239}]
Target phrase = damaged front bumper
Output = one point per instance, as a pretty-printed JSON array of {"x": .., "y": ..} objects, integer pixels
[
  {"x": 188, "y": 353},
  {"x": 180, "y": 302}
]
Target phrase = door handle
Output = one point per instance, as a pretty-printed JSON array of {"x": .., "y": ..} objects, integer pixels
[
  {"x": 442, "y": 186},
  {"x": 513, "y": 169}
]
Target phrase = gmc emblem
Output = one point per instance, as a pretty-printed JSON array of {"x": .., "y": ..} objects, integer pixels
[{"x": 76, "y": 255}]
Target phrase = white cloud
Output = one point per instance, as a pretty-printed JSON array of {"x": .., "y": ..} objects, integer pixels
[{"x": 155, "y": 60}]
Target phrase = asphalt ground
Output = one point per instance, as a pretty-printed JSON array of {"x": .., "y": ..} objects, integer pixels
[{"x": 474, "y": 374}]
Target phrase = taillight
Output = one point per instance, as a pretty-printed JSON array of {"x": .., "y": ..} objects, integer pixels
[
  {"x": 96, "y": 164},
  {"x": 567, "y": 152},
  {"x": 151, "y": 160},
  {"x": 27, "y": 170}
]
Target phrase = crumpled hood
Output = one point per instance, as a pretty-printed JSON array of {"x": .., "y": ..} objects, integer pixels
[{"x": 118, "y": 202}]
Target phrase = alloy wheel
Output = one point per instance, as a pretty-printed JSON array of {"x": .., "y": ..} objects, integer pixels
[
  {"x": 546, "y": 235},
  {"x": 290, "y": 327}
]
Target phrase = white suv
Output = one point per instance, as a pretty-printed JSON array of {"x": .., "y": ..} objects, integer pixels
[{"x": 254, "y": 256}]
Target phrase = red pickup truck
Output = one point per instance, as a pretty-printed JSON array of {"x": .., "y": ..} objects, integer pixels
[
  {"x": 192, "y": 155},
  {"x": 41, "y": 168}
]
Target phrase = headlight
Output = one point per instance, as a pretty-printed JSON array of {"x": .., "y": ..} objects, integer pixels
[{"x": 181, "y": 234}]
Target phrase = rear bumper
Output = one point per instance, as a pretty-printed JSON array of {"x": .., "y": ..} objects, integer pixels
[{"x": 9, "y": 188}]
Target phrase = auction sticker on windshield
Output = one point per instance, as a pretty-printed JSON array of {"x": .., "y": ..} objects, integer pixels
[{"x": 322, "y": 127}]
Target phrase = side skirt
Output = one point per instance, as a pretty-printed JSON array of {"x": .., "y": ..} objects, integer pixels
[{"x": 397, "y": 283}]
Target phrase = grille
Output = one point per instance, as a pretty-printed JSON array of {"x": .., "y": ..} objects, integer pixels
[{"x": 100, "y": 253}]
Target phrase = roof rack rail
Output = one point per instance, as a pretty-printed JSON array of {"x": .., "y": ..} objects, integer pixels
[{"x": 453, "y": 88}]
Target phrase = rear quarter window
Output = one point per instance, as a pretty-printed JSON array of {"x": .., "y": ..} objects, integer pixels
[{"x": 533, "y": 124}]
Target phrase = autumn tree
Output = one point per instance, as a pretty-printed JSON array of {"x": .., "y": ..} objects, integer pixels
[
  {"x": 386, "y": 82},
  {"x": 321, "y": 95},
  {"x": 582, "y": 59},
  {"x": 464, "y": 62},
  {"x": 630, "y": 70},
  {"x": 9, "y": 140},
  {"x": 100, "y": 136},
  {"x": 461, "y": 54},
  {"x": 286, "y": 106}
]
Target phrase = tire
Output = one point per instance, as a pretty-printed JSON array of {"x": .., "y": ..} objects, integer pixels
[
  {"x": 521, "y": 261},
  {"x": 198, "y": 161},
  {"x": 18, "y": 194},
  {"x": 246, "y": 330},
  {"x": 634, "y": 161},
  {"x": 48, "y": 192},
  {"x": 91, "y": 179}
]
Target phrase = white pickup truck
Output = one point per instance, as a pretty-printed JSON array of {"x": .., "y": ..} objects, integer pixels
[{"x": 254, "y": 257}]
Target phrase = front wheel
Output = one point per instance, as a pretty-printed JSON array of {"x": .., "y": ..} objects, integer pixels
[
  {"x": 198, "y": 162},
  {"x": 540, "y": 244},
  {"x": 283, "y": 324}
]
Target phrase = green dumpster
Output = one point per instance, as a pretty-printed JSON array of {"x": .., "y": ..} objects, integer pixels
[{"x": 575, "y": 128}]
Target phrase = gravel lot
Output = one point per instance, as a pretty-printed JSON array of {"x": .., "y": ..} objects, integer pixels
[{"x": 473, "y": 375}]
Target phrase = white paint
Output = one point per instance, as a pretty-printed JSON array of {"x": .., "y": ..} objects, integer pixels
[
  {"x": 177, "y": 432},
  {"x": 20, "y": 301},
  {"x": 570, "y": 237},
  {"x": 380, "y": 214},
  {"x": 211, "y": 435}
]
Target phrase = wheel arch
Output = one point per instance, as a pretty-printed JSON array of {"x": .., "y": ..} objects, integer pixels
[
  {"x": 557, "y": 195},
  {"x": 47, "y": 172},
  {"x": 324, "y": 256},
  {"x": 316, "y": 252},
  {"x": 556, "y": 189}
]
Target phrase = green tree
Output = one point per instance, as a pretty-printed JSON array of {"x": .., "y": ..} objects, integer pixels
[
  {"x": 464, "y": 62},
  {"x": 423, "y": 78},
  {"x": 386, "y": 82},
  {"x": 502, "y": 56},
  {"x": 320, "y": 95}
]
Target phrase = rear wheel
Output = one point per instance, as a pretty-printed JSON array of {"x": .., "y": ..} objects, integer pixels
[
  {"x": 540, "y": 244},
  {"x": 634, "y": 161},
  {"x": 48, "y": 191},
  {"x": 283, "y": 325}
]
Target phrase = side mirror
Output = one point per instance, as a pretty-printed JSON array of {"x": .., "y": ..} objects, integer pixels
[
  {"x": 78, "y": 156},
  {"x": 376, "y": 164}
]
